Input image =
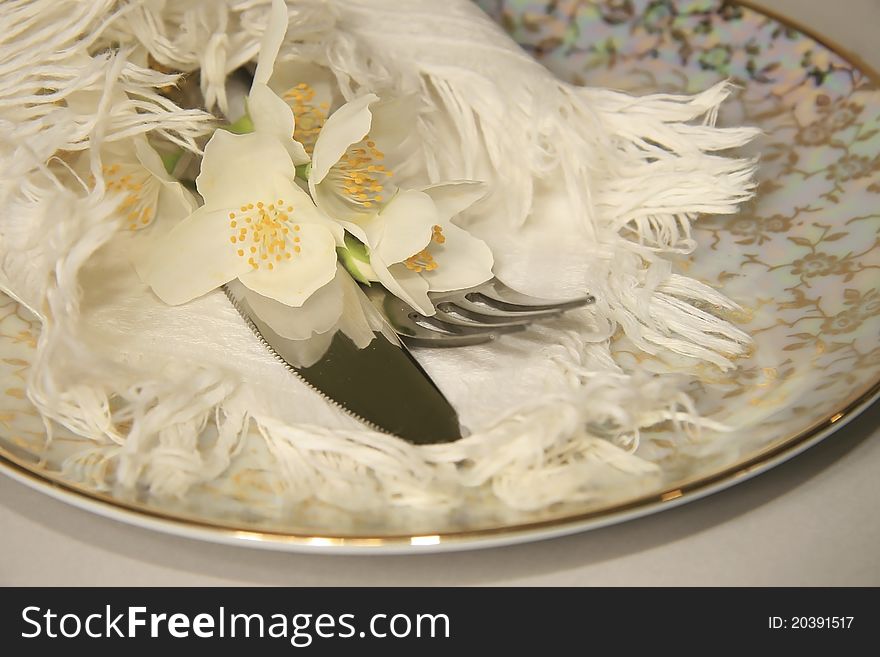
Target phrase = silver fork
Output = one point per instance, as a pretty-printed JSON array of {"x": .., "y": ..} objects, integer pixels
[{"x": 466, "y": 317}]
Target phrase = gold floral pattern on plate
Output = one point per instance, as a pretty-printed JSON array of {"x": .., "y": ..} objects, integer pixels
[{"x": 802, "y": 259}]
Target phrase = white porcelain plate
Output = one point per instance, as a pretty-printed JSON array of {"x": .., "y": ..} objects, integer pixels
[{"x": 803, "y": 260}]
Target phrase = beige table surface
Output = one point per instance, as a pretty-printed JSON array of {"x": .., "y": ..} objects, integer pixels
[{"x": 813, "y": 520}]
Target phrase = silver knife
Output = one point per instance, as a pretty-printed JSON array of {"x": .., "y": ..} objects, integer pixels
[{"x": 382, "y": 384}]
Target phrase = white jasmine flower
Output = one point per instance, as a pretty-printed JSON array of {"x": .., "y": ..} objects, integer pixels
[
  {"x": 134, "y": 172},
  {"x": 308, "y": 89},
  {"x": 268, "y": 112},
  {"x": 256, "y": 226},
  {"x": 311, "y": 92},
  {"x": 131, "y": 169},
  {"x": 414, "y": 248},
  {"x": 350, "y": 178}
]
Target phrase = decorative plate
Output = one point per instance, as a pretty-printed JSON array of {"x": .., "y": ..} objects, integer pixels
[{"x": 803, "y": 260}]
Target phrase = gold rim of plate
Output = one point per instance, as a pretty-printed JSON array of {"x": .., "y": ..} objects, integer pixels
[{"x": 690, "y": 490}]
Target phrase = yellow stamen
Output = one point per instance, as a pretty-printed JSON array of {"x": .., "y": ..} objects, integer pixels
[
  {"x": 309, "y": 118},
  {"x": 420, "y": 262},
  {"x": 266, "y": 227},
  {"x": 136, "y": 187},
  {"x": 360, "y": 176}
]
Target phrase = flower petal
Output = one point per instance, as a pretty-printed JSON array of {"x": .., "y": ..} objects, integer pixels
[
  {"x": 299, "y": 353},
  {"x": 356, "y": 230},
  {"x": 404, "y": 284},
  {"x": 305, "y": 212},
  {"x": 293, "y": 281},
  {"x": 328, "y": 199},
  {"x": 403, "y": 227},
  {"x": 359, "y": 319},
  {"x": 463, "y": 261},
  {"x": 192, "y": 258},
  {"x": 149, "y": 158},
  {"x": 174, "y": 194},
  {"x": 346, "y": 126},
  {"x": 319, "y": 78},
  {"x": 271, "y": 115},
  {"x": 174, "y": 202},
  {"x": 270, "y": 44},
  {"x": 455, "y": 196},
  {"x": 305, "y": 353},
  {"x": 236, "y": 168},
  {"x": 318, "y": 314}
]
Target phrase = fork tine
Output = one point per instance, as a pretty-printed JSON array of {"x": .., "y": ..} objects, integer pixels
[
  {"x": 466, "y": 317},
  {"x": 434, "y": 339},
  {"x": 433, "y": 332},
  {"x": 497, "y": 295},
  {"x": 466, "y": 313},
  {"x": 419, "y": 330},
  {"x": 443, "y": 324}
]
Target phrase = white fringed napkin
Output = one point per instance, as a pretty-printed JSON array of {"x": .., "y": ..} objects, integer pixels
[{"x": 589, "y": 189}]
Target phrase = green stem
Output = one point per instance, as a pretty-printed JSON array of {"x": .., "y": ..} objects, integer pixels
[
  {"x": 304, "y": 171},
  {"x": 170, "y": 160},
  {"x": 242, "y": 126},
  {"x": 355, "y": 259}
]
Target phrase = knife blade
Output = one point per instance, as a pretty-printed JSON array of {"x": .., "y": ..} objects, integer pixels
[{"x": 382, "y": 384}]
